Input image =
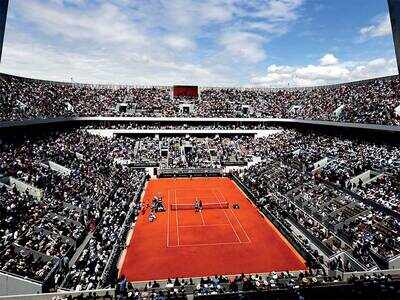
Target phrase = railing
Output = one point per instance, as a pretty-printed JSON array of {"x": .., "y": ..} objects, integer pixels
[
  {"x": 15, "y": 284},
  {"x": 189, "y": 172},
  {"x": 234, "y": 163},
  {"x": 327, "y": 251},
  {"x": 393, "y": 272},
  {"x": 366, "y": 201},
  {"x": 363, "y": 289},
  {"x": 64, "y": 295},
  {"x": 70, "y": 121}
]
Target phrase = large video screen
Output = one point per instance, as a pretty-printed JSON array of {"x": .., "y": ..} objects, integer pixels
[{"x": 186, "y": 91}]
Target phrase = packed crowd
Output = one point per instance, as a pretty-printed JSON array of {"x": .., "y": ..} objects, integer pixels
[
  {"x": 385, "y": 191},
  {"x": 327, "y": 205},
  {"x": 82, "y": 195},
  {"x": 374, "y": 102},
  {"x": 337, "y": 160},
  {"x": 312, "y": 198},
  {"x": 26, "y": 264},
  {"x": 185, "y": 151},
  {"x": 86, "y": 272},
  {"x": 335, "y": 221},
  {"x": 286, "y": 285},
  {"x": 219, "y": 284},
  {"x": 331, "y": 158}
]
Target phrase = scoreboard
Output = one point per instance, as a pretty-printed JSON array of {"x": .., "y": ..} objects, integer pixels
[{"x": 185, "y": 91}]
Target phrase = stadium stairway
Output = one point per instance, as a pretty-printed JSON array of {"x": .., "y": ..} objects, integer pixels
[{"x": 80, "y": 249}]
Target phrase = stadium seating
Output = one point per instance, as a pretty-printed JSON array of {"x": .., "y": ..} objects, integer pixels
[
  {"x": 66, "y": 194},
  {"x": 371, "y": 102}
]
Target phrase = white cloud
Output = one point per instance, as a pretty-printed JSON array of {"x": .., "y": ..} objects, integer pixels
[
  {"x": 29, "y": 59},
  {"x": 179, "y": 43},
  {"x": 321, "y": 74},
  {"x": 144, "y": 42},
  {"x": 328, "y": 60},
  {"x": 278, "y": 10},
  {"x": 380, "y": 28},
  {"x": 244, "y": 45},
  {"x": 216, "y": 11},
  {"x": 275, "y": 28},
  {"x": 104, "y": 24}
]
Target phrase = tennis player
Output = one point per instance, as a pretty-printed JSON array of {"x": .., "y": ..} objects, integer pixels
[{"x": 196, "y": 205}]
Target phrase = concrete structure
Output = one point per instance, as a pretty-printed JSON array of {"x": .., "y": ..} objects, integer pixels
[
  {"x": 394, "y": 9},
  {"x": 3, "y": 19}
]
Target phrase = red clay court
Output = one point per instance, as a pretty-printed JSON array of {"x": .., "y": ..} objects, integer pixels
[{"x": 185, "y": 243}]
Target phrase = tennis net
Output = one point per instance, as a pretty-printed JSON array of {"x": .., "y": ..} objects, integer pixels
[{"x": 182, "y": 206}]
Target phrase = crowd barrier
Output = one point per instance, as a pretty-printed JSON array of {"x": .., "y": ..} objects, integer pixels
[
  {"x": 11, "y": 284},
  {"x": 101, "y": 293},
  {"x": 368, "y": 202},
  {"x": 367, "y": 130},
  {"x": 46, "y": 285},
  {"x": 327, "y": 251},
  {"x": 190, "y": 172},
  {"x": 23, "y": 187},
  {"x": 136, "y": 164},
  {"x": 234, "y": 163},
  {"x": 60, "y": 169},
  {"x": 358, "y": 290}
]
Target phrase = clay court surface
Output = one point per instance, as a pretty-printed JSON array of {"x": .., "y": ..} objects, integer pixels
[{"x": 183, "y": 243}]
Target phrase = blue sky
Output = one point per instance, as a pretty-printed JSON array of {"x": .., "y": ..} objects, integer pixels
[{"x": 206, "y": 42}]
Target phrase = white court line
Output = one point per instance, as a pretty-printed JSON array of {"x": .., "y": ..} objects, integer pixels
[
  {"x": 201, "y": 213},
  {"x": 168, "y": 219},
  {"x": 213, "y": 244},
  {"x": 226, "y": 216},
  {"x": 176, "y": 215},
  {"x": 207, "y": 199},
  {"x": 205, "y": 225},
  {"x": 202, "y": 218},
  {"x": 240, "y": 224},
  {"x": 191, "y": 189},
  {"x": 192, "y": 199}
]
